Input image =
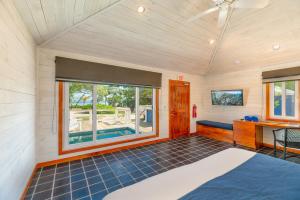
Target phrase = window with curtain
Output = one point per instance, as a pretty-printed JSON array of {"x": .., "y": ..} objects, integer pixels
[
  {"x": 100, "y": 112},
  {"x": 284, "y": 101}
]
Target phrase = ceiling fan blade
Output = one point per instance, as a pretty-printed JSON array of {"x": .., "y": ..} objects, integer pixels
[
  {"x": 211, "y": 10},
  {"x": 222, "y": 16},
  {"x": 250, "y": 3}
]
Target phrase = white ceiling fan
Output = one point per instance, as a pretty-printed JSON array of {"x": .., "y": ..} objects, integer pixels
[{"x": 223, "y": 6}]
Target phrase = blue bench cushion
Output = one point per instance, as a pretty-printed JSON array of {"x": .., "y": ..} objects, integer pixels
[{"x": 215, "y": 124}]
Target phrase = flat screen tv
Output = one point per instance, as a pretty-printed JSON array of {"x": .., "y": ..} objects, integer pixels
[{"x": 227, "y": 97}]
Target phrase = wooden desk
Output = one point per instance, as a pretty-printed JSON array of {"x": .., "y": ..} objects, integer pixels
[
  {"x": 247, "y": 134},
  {"x": 250, "y": 134},
  {"x": 274, "y": 124}
]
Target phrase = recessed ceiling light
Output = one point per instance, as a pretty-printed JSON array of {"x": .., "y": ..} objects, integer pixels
[
  {"x": 276, "y": 47},
  {"x": 211, "y": 41},
  {"x": 141, "y": 9},
  {"x": 237, "y": 62}
]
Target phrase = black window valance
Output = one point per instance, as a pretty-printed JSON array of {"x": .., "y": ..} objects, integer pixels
[
  {"x": 292, "y": 73},
  {"x": 77, "y": 70}
]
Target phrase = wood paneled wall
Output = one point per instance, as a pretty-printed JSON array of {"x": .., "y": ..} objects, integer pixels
[
  {"x": 249, "y": 81},
  {"x": 47, "y": 134},
  {"x": 17, "y": 102}
]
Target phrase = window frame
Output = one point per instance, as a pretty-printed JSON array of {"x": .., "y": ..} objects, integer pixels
[
  {"x": 270, "y": 103},
  {"x": 63, "y": 120}
]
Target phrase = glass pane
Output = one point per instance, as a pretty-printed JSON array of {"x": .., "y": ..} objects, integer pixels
[
  {"x": 80, "y": 108},
  {"x": 115, "y": 111},
  {"x": 146, "y": 110},
  {"x": 278, "y": 98},
  {"x": 290, "y": 98}
]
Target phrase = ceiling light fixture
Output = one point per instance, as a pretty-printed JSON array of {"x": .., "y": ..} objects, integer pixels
[
  {"x": 211, "y": 41},
  {"x": 276, "y": 47},
  {"x": 141, "y": 9},
  {"x": 237, "y": 62}
]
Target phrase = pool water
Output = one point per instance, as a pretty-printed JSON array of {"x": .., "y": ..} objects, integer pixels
[
  {"x": 87, "y": 136},
  {"x": 116, "y": 132}
]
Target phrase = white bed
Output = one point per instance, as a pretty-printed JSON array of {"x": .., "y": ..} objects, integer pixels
[{"x": 177, "y": 182}]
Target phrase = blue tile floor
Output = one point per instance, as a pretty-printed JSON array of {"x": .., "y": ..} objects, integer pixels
[{"x": 95, "y": 177}]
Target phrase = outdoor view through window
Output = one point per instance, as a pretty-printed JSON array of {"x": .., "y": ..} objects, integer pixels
[
  {"x": 101, "y": 111},
  {"x": 284, "y": 99}
]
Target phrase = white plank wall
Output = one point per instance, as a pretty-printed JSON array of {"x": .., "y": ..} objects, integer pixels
[
  {"x": 254, "y": 100},
  {"x": 17, "y": 103},
  {"x": 47, "y": 134},
  {"x": 249, "y": 81}
]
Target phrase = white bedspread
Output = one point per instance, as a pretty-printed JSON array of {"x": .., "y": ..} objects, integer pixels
[{"x": 177, "y": 182}]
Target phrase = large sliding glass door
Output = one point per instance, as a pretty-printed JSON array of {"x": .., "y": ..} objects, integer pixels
[
  {"x": 100, "y": 112},
  {"x": 115, "y": 111},
  {"x": 79, "y": 124},
  {"x": 146, "y": 108}
]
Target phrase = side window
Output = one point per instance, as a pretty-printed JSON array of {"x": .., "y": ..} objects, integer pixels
[{"x": 284, "y": 100}]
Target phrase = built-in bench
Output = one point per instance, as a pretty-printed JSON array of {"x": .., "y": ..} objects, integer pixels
[{"x": 215, "y": 130}]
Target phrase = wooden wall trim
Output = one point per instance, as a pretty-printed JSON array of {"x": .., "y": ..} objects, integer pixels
[
  {"x": 23, "y": 195},
  {"x": 60, "y": 116},
  {"x": 61, "y": 151},
  {"x": 68, "y": 159},
  {"x": 87, "y": 155},
  {"x": 157, "y": 111},
  {"x": 268, "y": 106},
  {"x": 267, "y": 101},
  {"x": 107, "y": 144}
]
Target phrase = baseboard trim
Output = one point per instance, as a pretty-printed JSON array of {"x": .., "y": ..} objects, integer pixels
[
  {"x": 290, "y": 150},
  {"x": 28, "y": 182},
  {"x": 72, "y": 158}
]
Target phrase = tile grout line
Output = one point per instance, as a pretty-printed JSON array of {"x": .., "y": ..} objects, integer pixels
[
  {"x": 112, "y": 172},
  {"x": 100, "y": 175},
  {"x": 88, "y": 186},
  {"x": 136, "y": 167},
  {"x": 70, "y": 180},
  {"x": 53, "y": 182},
  {"x": 67, "y": 184},
  {"x": 149, "y": 156},
  {"x": 36, "y": 183}
]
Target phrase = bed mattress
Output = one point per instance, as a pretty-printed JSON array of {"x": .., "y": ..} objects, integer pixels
[{"x": 178, "y": 182}]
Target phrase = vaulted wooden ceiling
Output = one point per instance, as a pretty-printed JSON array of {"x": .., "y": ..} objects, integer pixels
[{"x": 161, "y": 36}]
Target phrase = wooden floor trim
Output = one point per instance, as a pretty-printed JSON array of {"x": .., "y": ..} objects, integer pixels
[
  {"x": 28, "y": 182},
  {"x": 68, "y": 159},
  {"x": 107, "y": 145},
  {"x": 53, "y": 162},
  {"x": 290, "y": 150}
]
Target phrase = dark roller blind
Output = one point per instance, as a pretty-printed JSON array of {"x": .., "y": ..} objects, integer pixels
[
  {"x": 280, "y": 73},
  {"x": 77, "y": 70}
]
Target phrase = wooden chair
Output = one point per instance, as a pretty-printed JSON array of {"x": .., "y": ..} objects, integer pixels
[{"x": 289, "y": 137}]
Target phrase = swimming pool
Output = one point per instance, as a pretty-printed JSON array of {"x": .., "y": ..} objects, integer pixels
[{"x": 87, "y": 136}]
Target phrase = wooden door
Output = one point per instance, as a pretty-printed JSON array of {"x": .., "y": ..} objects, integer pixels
[{"x": 179, "y": 108}]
